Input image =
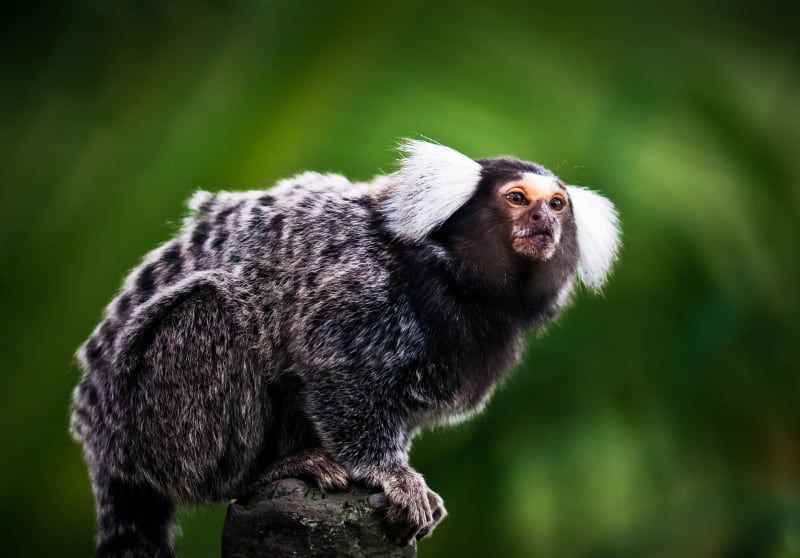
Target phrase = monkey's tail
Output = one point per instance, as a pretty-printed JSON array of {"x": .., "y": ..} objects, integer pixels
[{"x": 133, "y": 521}]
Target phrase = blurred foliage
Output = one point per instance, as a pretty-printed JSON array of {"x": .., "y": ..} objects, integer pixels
[{"x": 659, "y": 420}]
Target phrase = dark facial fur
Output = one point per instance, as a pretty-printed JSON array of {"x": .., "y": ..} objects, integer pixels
[{"x": 310, "y": 329}]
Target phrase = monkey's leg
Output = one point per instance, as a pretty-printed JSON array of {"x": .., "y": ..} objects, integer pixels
[
  {"x": 133, "y": 521},
  {"x": 192, "y": 393},
  {"x": 177, "y": 418},
  {"x": 316, "y": 465}
]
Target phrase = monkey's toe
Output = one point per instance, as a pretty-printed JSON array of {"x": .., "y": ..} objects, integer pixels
[
  {"x": 315, "y": 465},
  {"x": 327, "y": 474}
]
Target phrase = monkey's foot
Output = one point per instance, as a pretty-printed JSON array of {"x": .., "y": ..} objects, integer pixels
[
  {"x": 315, "y": 465},
  {"x": 412, "y": 509}
]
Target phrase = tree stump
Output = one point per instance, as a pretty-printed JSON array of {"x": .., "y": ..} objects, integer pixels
[{"x": 292, "y": 518}]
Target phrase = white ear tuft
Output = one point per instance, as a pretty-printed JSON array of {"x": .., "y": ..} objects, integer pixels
[
  {"x": 433, "y": 182},
  {"x": 597, "y": 223}
]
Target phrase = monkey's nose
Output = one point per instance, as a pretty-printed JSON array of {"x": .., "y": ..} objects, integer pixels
[{"x": 537, "y": 215}]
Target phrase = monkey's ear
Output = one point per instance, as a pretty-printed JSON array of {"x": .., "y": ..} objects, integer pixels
[
  {"x": 597, "y": 223},
  {"x": 432, "y": 183}
]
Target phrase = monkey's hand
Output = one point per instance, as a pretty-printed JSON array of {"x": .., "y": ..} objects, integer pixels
[
  {"x": 368, "y": 435},
  {"x": 412, "y": 509}
]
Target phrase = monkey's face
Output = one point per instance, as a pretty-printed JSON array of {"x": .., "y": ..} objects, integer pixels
[
  {"x": 502, "y": 219},
  {"x": 536, "y": 207}
]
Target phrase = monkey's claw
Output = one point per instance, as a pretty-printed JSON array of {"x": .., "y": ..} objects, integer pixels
[
  {"x": 439, "y": 513},
  {"x": 412, "y": 509}
]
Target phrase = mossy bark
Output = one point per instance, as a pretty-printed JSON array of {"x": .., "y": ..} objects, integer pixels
[{"x": 292, "y": 518}]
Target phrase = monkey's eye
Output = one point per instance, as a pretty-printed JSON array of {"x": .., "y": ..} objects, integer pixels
[
  {"x": 557, "y": 203},
  {"x": 516, "y": 198}
]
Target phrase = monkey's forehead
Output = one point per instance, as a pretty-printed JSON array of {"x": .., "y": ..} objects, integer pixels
[{"x": 504, "y": 169}]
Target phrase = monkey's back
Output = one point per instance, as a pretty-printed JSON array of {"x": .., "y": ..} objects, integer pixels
[
  {"x": 263, "y": 250},
  {"x": 248, "y": 235}
]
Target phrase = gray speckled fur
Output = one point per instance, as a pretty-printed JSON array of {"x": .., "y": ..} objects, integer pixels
[{"x": 275, "y": 322}]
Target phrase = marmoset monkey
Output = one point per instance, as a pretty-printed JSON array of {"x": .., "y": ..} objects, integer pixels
[{"x": 313, "y": 329}]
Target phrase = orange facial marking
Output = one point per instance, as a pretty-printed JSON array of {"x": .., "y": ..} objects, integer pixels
[{"x": 534, "y": 186}]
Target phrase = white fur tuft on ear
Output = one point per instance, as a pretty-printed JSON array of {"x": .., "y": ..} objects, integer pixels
[
  {"x": 433, "y": 182},
  {"x": 598, "y": 229}
]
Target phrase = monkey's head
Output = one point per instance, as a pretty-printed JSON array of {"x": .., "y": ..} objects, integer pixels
[
  {"x": 530, "y": 208},
  {"x": 502, "y": 214}
]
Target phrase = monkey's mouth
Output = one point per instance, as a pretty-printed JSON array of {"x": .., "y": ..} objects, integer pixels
[
  {"x": 538, "y": 243},
  {"x": 538, "y": 236}
]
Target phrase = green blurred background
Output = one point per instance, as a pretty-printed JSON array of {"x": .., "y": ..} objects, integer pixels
[{"x": 659, "y": 420}]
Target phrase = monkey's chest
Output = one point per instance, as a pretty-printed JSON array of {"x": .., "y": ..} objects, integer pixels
[{"x": 466, "y": 381}]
